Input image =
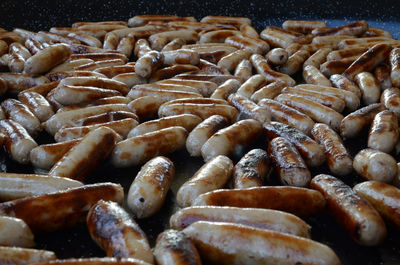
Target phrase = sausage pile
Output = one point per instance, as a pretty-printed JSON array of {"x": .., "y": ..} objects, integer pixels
[{"x": 133, "y": 92}]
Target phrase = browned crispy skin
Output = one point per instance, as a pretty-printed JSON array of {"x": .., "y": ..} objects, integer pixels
[
  {"x": 351, "y": 211},
  {"x": 252, "y": 169},
  {"x": 174, "y": 246},
  {"x": 111, "y": 227},
  {"x": 62, "y": 209},
  {"x": 356, "y": 29},
  {"x": 299, "y": 201}
]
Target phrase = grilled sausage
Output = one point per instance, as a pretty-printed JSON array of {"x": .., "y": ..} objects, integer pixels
[
  {"x": 46, "y": 59},
  {"x": 224, "y": 243},
  {"x": 269, "y": 91},
  {"x": 384, "y": 132},
  {"x": 37, "y": 104},
  {"x": 22, "y": 256},
  {"x": 369, "y": 87},
  {"x": 337, "y": 157},
  {"x": 15, "y": 232},
  {"x": 251, "y": 170},
  {"x": 361, "y": 221},
  {"x": 395, "y": 66},
  {"x": 372, "y": 164},
  {"x": 211, "y": 176},
  {"x": 225, "y": 89},
  {"x": 277, "y": 56},
  {"x": 117, "y": 233},
  {"x": 60, "y": 209},
  {"x": 390, "y": 98},
  {"x": 148, "y": 63},
  {"x": 262, "y": 67},
  {"x": 148, "y": 191},
  {"x": 249, "y": 110},
  {"x": 339, "y": 81}
]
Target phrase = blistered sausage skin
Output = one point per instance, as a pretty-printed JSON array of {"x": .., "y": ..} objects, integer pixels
[
  {"x": 174, "y": 246},
  {"x": 148, "y": 63},
  {"x": 47, "y": 58},
  {"x": 337, "y": 157},
  {"x": 384, "y": 197},
  {"x": 62, "y": 209},
  {"x": 384, "y": 132},
  {"x": 316, "y": 111},
  {"x": 355, "y": 122},
  {"x": 372, "y": 164},
  {"x": 339, "y": 81},
  {"x": 85, "y": 156},
  {"x": 202, "y": 132},
  {"x": 298, "y": 201},
  {"x": 224, "y": 243},
  {"x": 139, "y": 149},
  {"x": 258, "y": 218},
  {"x": 361, "y": 221},
  {"x": 312, "y": 153},
  {"x": 290, "y": 167},
  {"x": 111, "y": 227},
  {"x": 225, "y": 141},
  {"x": 288, "y": 115},
  {"x": 22, "y": 256},
  {"x": 211, "y": 176},
  {"x": 148, "y": 191},
  {"x": 14, "y": 185},
  {"x": 251, "y": 169},
  {"x": 18, "y": 142}
]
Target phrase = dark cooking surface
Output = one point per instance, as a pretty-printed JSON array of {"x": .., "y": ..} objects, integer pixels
[{"x": 41, "y": 15}]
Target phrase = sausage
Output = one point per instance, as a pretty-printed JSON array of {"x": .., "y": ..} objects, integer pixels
[
  {"x": 369, "y": 87},
  {"x": 99, "y": 82},
  {"x": 384, "y": 132},
  {"x": 44, "y": 60},
  {"x": 139, "y": 149},
  {"x": 355, "y": 29},
  {"x": 277, "y": 56},
  {"x": 37, "y": 104},
  {"x": 21, "y": 256},
  {"x": 142, "y": 47},
  {"x": 296, "y": 200},
  {"x": 14, "y": 186},
  {"x": 333, "y": 67},
  {"x": 337, "y": 157},
  {"x": 140, "y": 20},
  {"x": 112, "y": 71},
  {"x": 251, "y": 85},
  {"x": 18, "y": 54},
  {"x": 202, "y": 110},
  {"x": 61, "y": 209},
  {"x": 290, "y": 167},
  {"x": 174, "y": 246},
  {"x": 372, "y": 164},
  {"x": 173, "y": 45},
  {"x": 211, "y": 176},
  {"x": 211, "y": 68},
  {"x": 101, "y": 56},
  {"x": 288, "y": 115},
  {"x": 126, "y": 46},
  {"x": 202, "y": 132},
  {"x": 137, "y": 92},
  {"x": 325, "y": 99},
  {"x": 382, "y": 74},
  {"x": 18, "y": 142},
  {"x": 355, "y": 122},
  {"x": 255, "y": 45},
  {"x": 86, "y": 39},
  {"x": 56, "y": 76},
  {"x": 148, "y": 63},
  {"x": 61, "y": 119},
  {"x": 231, "y": 61},
  {"x": 341, "y": 82},
  {"x": 390, "y": 98},
  {"x": 361, "y": 221},
  {"x": 316, "y": 111},
  {"x": 312, "y": 153},
  {"x": 225, "y": 141},
  {"x": 85, "y": 156},
  {"x": 98, "y": 261},
  {"x": 313, "y": 76},
  {"x": 171, "y": 71},
  {"x": 120, "y": 127},
  {"x": 395, "y": 66},
  {"x": 205, "y": 88},
  {"x": 20, "y": 113},
  {"x": 99, "y": 64},
  {"x": 251, "y": 169},
  {"x": 147, "y": 106},
  {"x": 181, "y": 56},
  {"x": 225, "y": 243},
  {"x": 187, "y": 121},
  {"x": 14, "y": 232},
  {"x": 318, "y": 58},
  {"x": 277, "y": 37},
  {"x": 294, "y": 62},
  {"x": 111, "y": 227},
  {"x": 258, "y": 218},
  {"x": 217, "y": 36},
  {"x": 262, "y": 67},
  {"x": 303, "y": 26},
  {"x": 74, "y": 95},
  {"x": 244, "y": 70},
  {"x": 269, "y": 91},
  {"x": 17, "y": 82},
  {"x": 216, "y": 78},
  {"x": 248, "y": 109},
  {"x": 106, "y": 117},
  {"x": 226, "y": 19},
  {"x": 148, "y": 191},
  {"x": 225, "y": 89},
  {"x": 368, "y": 60},
  {"x": 159, "y": 40}
]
